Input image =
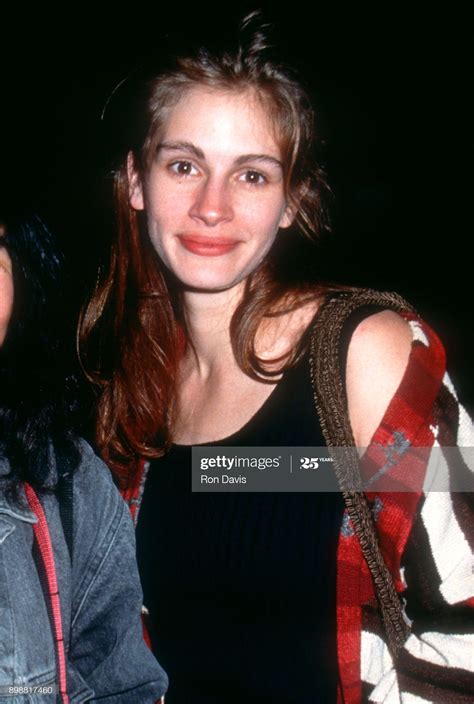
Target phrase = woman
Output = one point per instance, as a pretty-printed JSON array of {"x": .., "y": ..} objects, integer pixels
[
  {"x": 209, "y": 328},
  {"x": 70, "y": 595}
]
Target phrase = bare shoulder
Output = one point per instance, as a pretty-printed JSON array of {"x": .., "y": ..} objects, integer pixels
[
  {"x": 278, "y": 335},
  {"x": 376, "y": 361}
]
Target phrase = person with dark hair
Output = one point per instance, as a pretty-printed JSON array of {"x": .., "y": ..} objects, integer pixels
[
  {"x": 210, "y": 327},
  {"x": 70, "y": 596}
]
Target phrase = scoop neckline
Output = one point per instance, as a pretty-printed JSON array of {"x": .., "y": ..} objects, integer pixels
[{"x": 228, "y": 438}]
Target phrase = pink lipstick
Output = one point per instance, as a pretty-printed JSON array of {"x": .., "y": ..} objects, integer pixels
[{"x": 207, "y": 246}]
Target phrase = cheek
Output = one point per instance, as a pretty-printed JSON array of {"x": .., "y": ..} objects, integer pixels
[
  {"x": 163, "y": 206},
  {"x": 265, "y": 219}
]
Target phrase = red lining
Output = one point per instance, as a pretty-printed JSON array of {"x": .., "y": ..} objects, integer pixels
[{"x": 43, "y": 539}]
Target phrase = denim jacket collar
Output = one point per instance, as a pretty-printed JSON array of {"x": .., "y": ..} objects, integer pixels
[{"x": 10, "y": 507}]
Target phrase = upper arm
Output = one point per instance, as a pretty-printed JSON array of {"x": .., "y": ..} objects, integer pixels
[{"x": 376, "y": 361}]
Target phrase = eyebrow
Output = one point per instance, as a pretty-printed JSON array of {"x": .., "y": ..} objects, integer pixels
[
  {"x": 199, "y": 154},
  {"x": 180, "y": 147}
]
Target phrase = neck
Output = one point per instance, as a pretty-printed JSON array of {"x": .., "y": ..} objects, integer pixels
[{"x": 208, "y": 317}]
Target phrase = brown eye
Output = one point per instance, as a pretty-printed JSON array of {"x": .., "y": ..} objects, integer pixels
[
  {"x": 254, "y": 178},
  {"x": 183, "y": 168}
]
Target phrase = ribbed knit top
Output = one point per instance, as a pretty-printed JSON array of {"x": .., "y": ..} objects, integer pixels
[{"x": 241, "y": 586}]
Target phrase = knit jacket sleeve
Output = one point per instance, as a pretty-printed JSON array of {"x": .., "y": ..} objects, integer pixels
[{"x": 426, "y": 539}]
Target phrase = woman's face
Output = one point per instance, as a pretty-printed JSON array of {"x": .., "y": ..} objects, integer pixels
[
  {"x": 214, "y": 195},
  {"x": 6, "y": 291}
]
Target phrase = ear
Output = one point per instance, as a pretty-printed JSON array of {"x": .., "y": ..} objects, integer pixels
[
  {"x": 287, "y": 217},
  {"x": 135, "y": 189},
  {"x": 293, "y": 205}
]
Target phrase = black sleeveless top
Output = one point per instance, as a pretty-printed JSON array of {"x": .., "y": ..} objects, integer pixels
[{"x": 241, "y": 587}]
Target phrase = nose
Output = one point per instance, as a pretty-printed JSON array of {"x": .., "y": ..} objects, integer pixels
[{"x": 213, "y": 202}]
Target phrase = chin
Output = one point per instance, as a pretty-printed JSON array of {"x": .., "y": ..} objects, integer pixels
[
  {"x": 209, "y": 285},
  {"x": 207, "y": 278}
]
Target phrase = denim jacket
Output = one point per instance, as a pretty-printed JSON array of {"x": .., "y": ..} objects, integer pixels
[{"x": 100, "y": 595}]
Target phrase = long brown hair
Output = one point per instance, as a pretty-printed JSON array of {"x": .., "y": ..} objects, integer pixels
[{"x": 132, "y": 332}]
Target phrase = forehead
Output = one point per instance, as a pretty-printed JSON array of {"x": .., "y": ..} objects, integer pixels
[{"x": 222, "y": 122}]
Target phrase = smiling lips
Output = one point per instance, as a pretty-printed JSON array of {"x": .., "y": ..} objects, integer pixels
[{"x": 207, "y": 246}]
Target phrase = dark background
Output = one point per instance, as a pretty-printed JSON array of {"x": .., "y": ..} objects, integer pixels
[{"x": 392, "y": 89}]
